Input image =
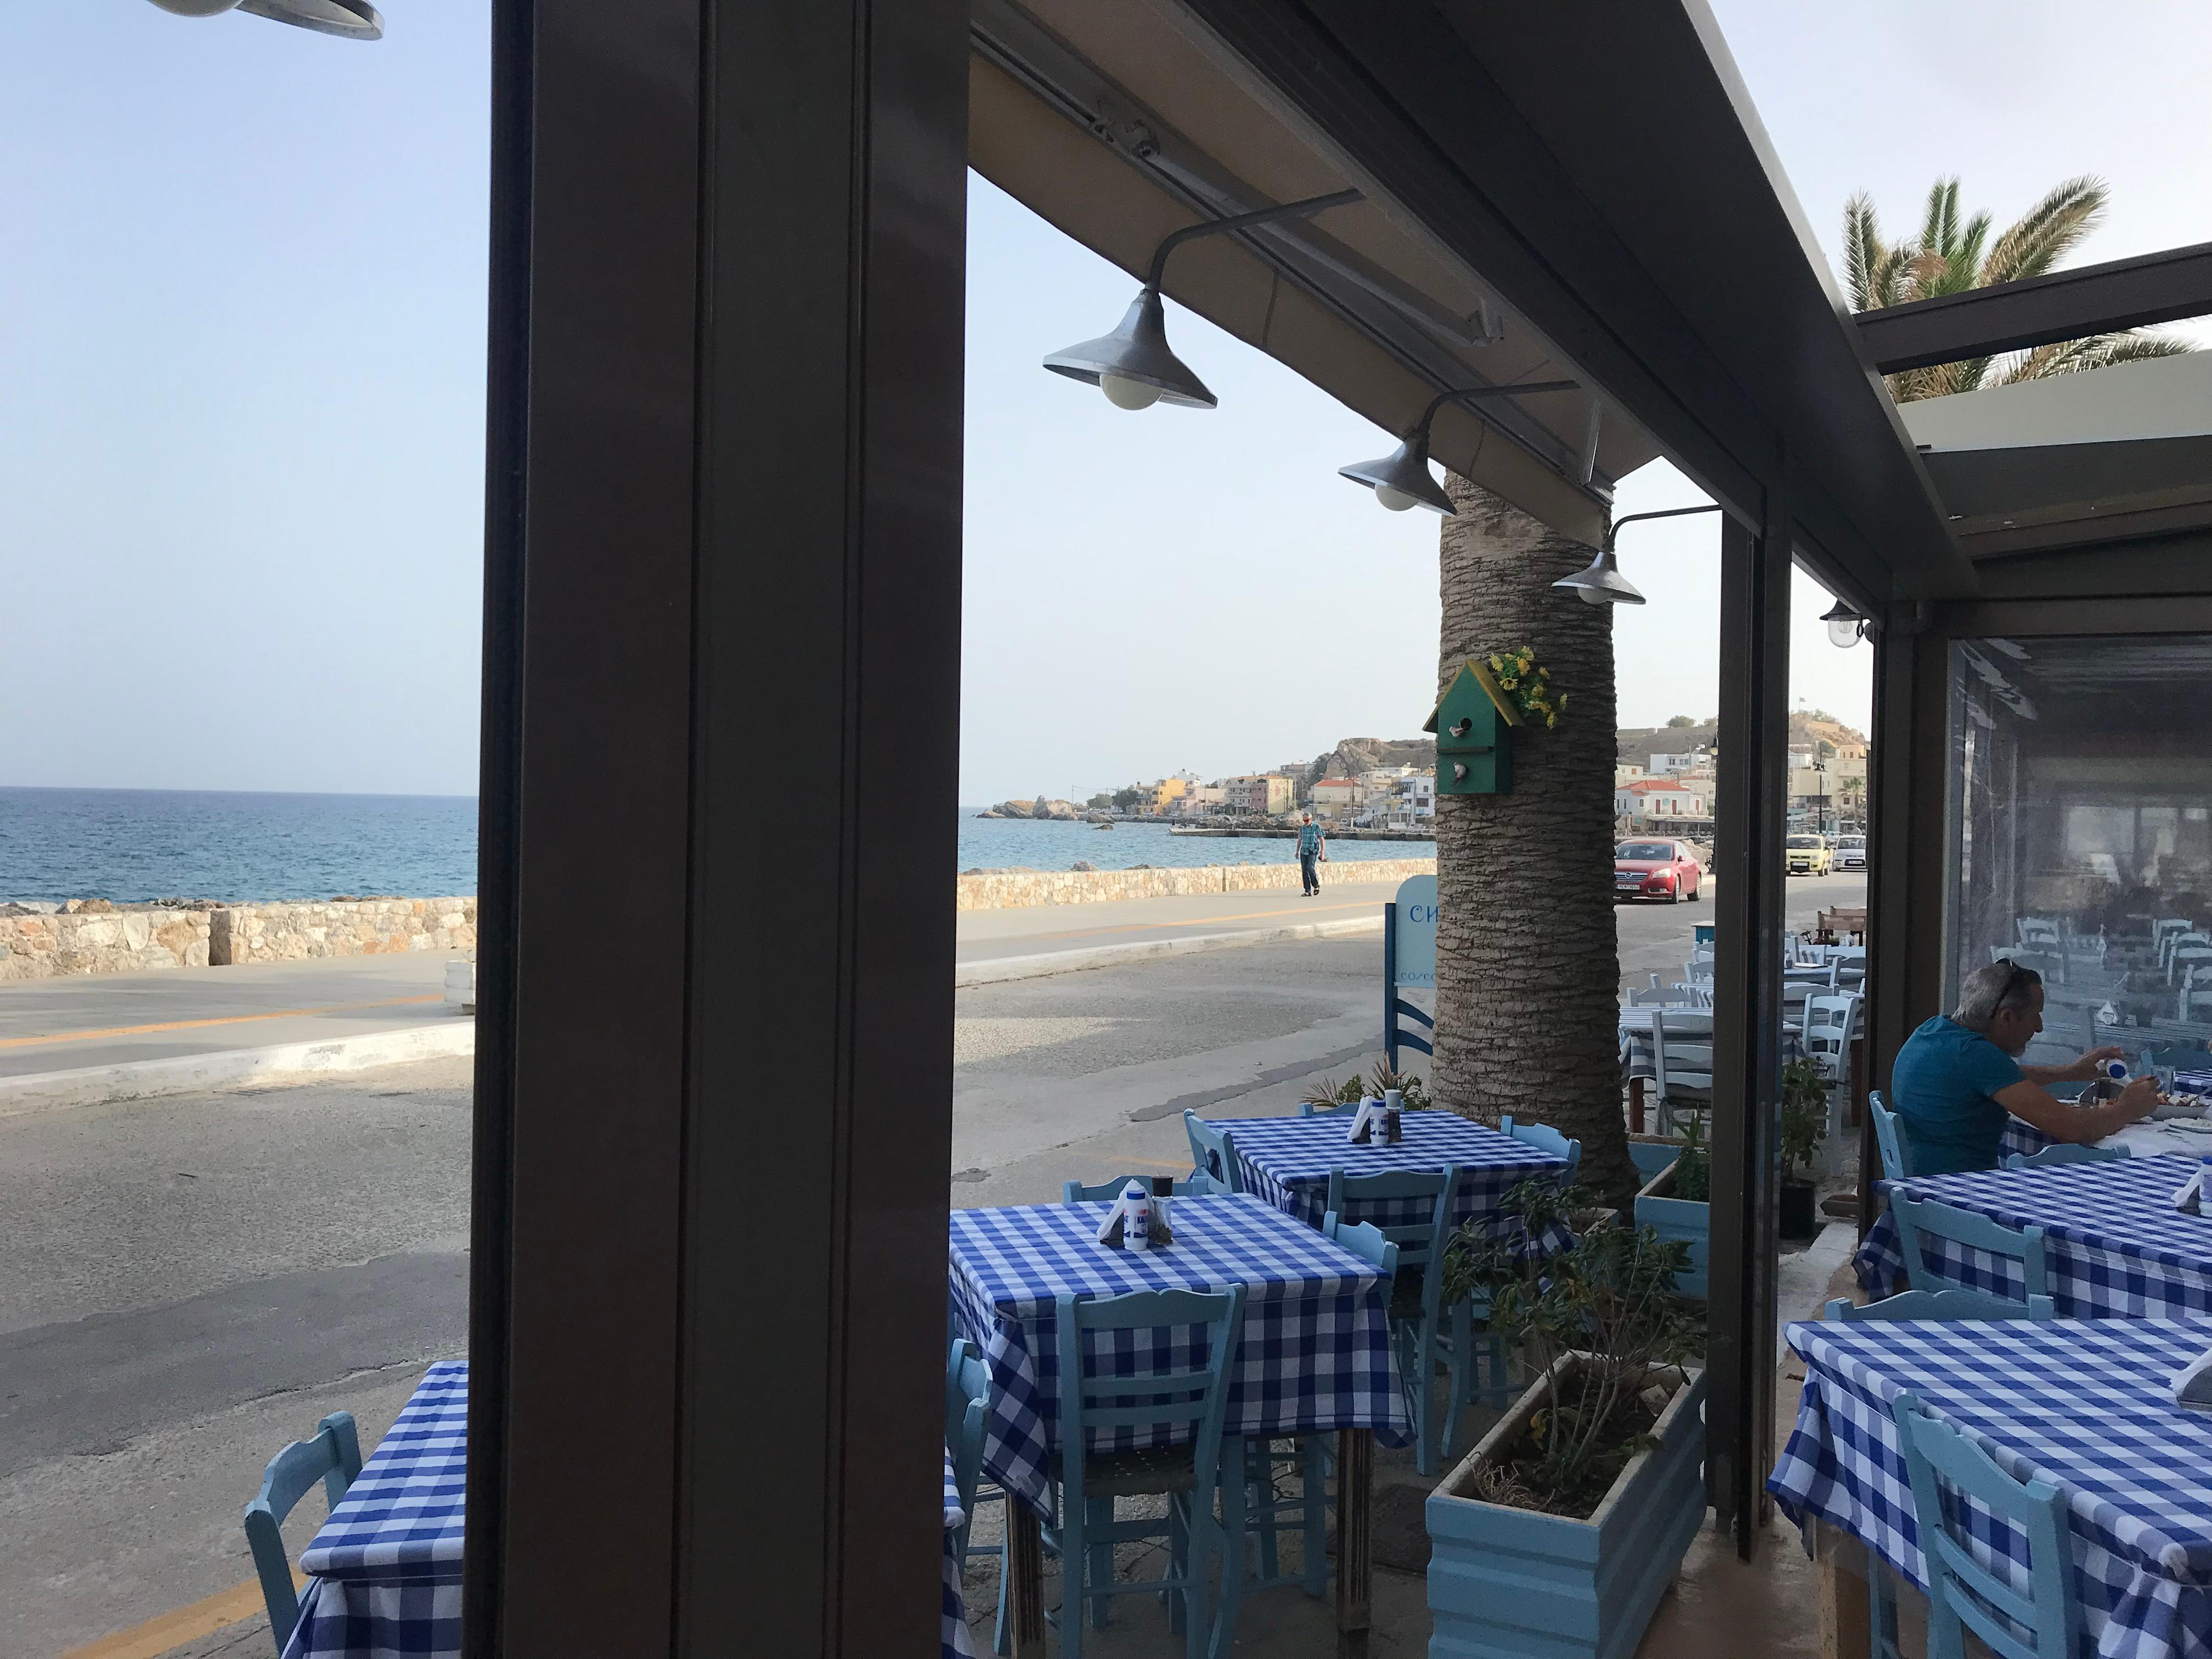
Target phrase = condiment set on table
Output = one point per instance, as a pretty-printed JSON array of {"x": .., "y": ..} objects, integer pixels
[
  {"x": 1138, "y": 1220},
  {"x": 1378, "y": 1122}
]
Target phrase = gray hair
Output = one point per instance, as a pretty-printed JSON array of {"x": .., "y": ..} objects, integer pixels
[{"x": 2002, "y": 988}]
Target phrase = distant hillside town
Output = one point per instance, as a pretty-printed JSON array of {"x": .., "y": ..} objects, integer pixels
[
  {"x": 1662, "y": 782},
  {"x": 1663, "y": 776}
]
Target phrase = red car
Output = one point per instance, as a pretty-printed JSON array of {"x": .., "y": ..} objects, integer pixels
[{"x": 1656, "y": 869}]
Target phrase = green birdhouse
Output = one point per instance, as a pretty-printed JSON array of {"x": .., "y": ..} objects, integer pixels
[{"x": 1474, "y": 726}]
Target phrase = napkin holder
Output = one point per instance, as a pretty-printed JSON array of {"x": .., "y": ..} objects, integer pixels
[
  {"x": 2188, "y": 1197},
  {"x": 2192, "y": 1384},
  {"x": 1131, "y": 1209},
  {"x": 1366, "y": 1123}
]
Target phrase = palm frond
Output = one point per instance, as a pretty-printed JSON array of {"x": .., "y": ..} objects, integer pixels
[
  {"x": 1940, "y": 216},
  {"x": 1863, "y": 252},
  {"x": 2047, "y": 232},
  {"x": 2097, "y": 351}
]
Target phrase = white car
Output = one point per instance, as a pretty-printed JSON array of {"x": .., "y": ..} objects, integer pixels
[{"x": 1851, "y": 853}]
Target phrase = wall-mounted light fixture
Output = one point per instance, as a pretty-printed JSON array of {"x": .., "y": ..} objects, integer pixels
[
  {"x": 1602, "y": 583},
  {"x": 1133, "y": 366},
  {"x": 1402, "y": 480},
  {"x": 354, "y": 19},
  {"x": 1846, "y": 628}
]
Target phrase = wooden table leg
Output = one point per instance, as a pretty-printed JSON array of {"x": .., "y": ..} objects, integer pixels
[
  {"x": 1841, "y": 1564},
  {"x": 1355, "y": 1561},
  {"x": 1636, "y": 1105},
  {"x": 1024, "y": 1568}
]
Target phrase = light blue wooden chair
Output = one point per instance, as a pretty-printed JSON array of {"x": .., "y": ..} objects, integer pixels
[
  {"x": 1545, "y": 1139},
  {"x": 1427, "y": 1334},
  {"x": 1191, "y": 1402},
  {"x": 333, "y": 1457},
  {"x": 967, "y": 1416},
  {"x": 1342, "y": 1108},
  {"x": 2060, "y": 1152},
  {"x": 1943, "y": 1304},
  {"x": 1895, "y": 1165},
  {"x": 1921, "y": 1219},
  {"x": 1197, "y": 1186},
  {"x": 1212, "y": 1152},
  {"x": 1962, "y": 1593},
  {"x": 1650, "y": 1157}
]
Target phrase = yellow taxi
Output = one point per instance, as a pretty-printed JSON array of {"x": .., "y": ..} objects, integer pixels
[{"x": 1807, "y": 855}]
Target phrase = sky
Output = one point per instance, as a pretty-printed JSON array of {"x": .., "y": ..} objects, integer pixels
[{"x": 241, "y": 336}]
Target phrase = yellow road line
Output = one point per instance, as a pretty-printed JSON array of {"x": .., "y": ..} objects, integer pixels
[
  {"x": 181, "y": 1625},
  {"x": 227, "y": 1019}
]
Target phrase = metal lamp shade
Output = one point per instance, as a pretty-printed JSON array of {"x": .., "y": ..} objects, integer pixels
[
  {"x": 1405, "y": 469},
  {"x": 1602, "y": 582},
  {"x": 1138, "y": 351},
  {"x": 1846, "y": 628},
  {"x": 354, "y": 20}
]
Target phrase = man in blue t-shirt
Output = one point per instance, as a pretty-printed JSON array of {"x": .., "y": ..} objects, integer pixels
[
  {"x": 1313, "y": 848},
  {"x": 1957, "y": 1078}
]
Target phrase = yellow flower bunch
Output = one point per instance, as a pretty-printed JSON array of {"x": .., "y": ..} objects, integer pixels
[{"x": 1529, "y": 685}]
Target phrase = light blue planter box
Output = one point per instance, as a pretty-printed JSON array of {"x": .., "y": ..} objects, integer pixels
[
  {"x": 1679, "y": 1219},
  {"x": 1508, "y": 1583}
]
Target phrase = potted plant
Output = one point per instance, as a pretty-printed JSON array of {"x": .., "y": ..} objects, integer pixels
[
  {"x": 1804, "y": 1127},
  {"x": 1674, "y": 1204},
  {"x": 1328, "y": 1093},
  {"x": 1558, "y": 1534}
]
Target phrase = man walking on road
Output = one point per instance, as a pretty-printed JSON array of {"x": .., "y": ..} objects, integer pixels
[{"x": 1312, "y": 850}]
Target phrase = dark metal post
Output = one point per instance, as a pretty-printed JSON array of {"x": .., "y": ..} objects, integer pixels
[
  {"x": 1390, "y": 984},
  {"x": 1749, "y": 816},
  {"x": 723, "y": 514}
]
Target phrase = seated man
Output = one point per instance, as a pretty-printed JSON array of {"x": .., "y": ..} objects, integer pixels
[{"x": 1956, "y": 1078}]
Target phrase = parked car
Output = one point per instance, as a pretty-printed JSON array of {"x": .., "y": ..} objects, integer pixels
[
  {"x": 1851, "y": 851},
  {"x": 1807, "y": 855},
  {"x": 1656, "y": 869}
]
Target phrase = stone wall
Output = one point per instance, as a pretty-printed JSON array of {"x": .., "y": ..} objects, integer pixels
[
  {"x": 339, "y": 927},
  {"x": 1000, "y": 890},
  {"x": 103, "y": 942}
]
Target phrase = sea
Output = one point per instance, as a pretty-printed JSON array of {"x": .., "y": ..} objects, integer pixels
[
  {"x": 1004, "y": 843},
  {"x": 236, "y": 847},
  {"x": 124, "y": 844}
]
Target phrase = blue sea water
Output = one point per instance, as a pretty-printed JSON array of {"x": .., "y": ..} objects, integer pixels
[
  {"x": 1001, "y": 843},
  {"x": 203, "y": 844},
  {"x": 125, "y": 844}
]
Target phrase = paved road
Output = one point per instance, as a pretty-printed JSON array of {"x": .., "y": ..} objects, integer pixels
[
  {"x": 59, "y": 1024},
  {"x": 195, "y": 1280}
]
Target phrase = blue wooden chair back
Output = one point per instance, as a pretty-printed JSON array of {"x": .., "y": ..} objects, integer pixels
[
  {"x": 1962, "y": 1593},
  {"x": 2183, "y": 1055},
  {"x": 1894, "y": 1164},
  {"x": 1212, "y": 1152},
  {"x": 1363, "y": 1239},
  {"x": 1193, "y": 1398},
  {"x": 1921, "y": 1220},
  {"x": 968, "y": 1385},
  {"x": 1545, "y": 1139},
  {"x": 1343, "y": 1108},
  {"x": 1197, "y": 1186},
  {"x": 1944, "y": 1305},
  {"x": 2060, "y": 1152},
  {"x": 333, "y": 1457},
  {"x": 1415, "y": 1240}
]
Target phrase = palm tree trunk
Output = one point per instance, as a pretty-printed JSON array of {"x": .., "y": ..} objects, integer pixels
[{"x": 1528, "y": 971}]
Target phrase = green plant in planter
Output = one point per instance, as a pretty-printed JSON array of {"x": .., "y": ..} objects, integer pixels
[
  {"x": 1611, "y": 1298},
  {"x": 1804, "y": 1117},
  {"x": 1354, "y": 1089},
  {"x": 1694, "y": 1170}
]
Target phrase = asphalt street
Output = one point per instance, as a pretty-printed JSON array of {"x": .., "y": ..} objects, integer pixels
[{"x": 196, "y": 1279}]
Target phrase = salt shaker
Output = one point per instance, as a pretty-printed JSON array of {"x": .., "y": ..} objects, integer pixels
[
  {"x": 1136, "y": 1217},
  {"x": 1162, "y": 1197},
  {"x": 1394, "y": 1101}
]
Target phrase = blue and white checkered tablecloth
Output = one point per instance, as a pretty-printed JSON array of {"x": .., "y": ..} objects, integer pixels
[
  {"x": 2116, "y": 1246},
  {"x": 384, "y": 1571},
  {"x": 955, "y": 1611},
  {"x": 2083, "y": 1405},
  {"x": 1287, "y": 1161},
  {"x": 1314, "y": 1354}
]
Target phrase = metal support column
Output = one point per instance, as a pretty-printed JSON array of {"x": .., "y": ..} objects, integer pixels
[{"x": 1753, "y": 790}]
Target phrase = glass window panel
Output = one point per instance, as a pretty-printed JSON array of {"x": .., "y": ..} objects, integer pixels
[{"x": 2080, "y": 830}]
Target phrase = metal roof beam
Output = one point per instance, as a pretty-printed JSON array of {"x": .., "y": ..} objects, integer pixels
[{"x": 2066, "y": 304}]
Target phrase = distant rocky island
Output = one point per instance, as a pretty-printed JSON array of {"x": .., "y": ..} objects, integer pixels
[{"x": 1042, "y": 809}]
